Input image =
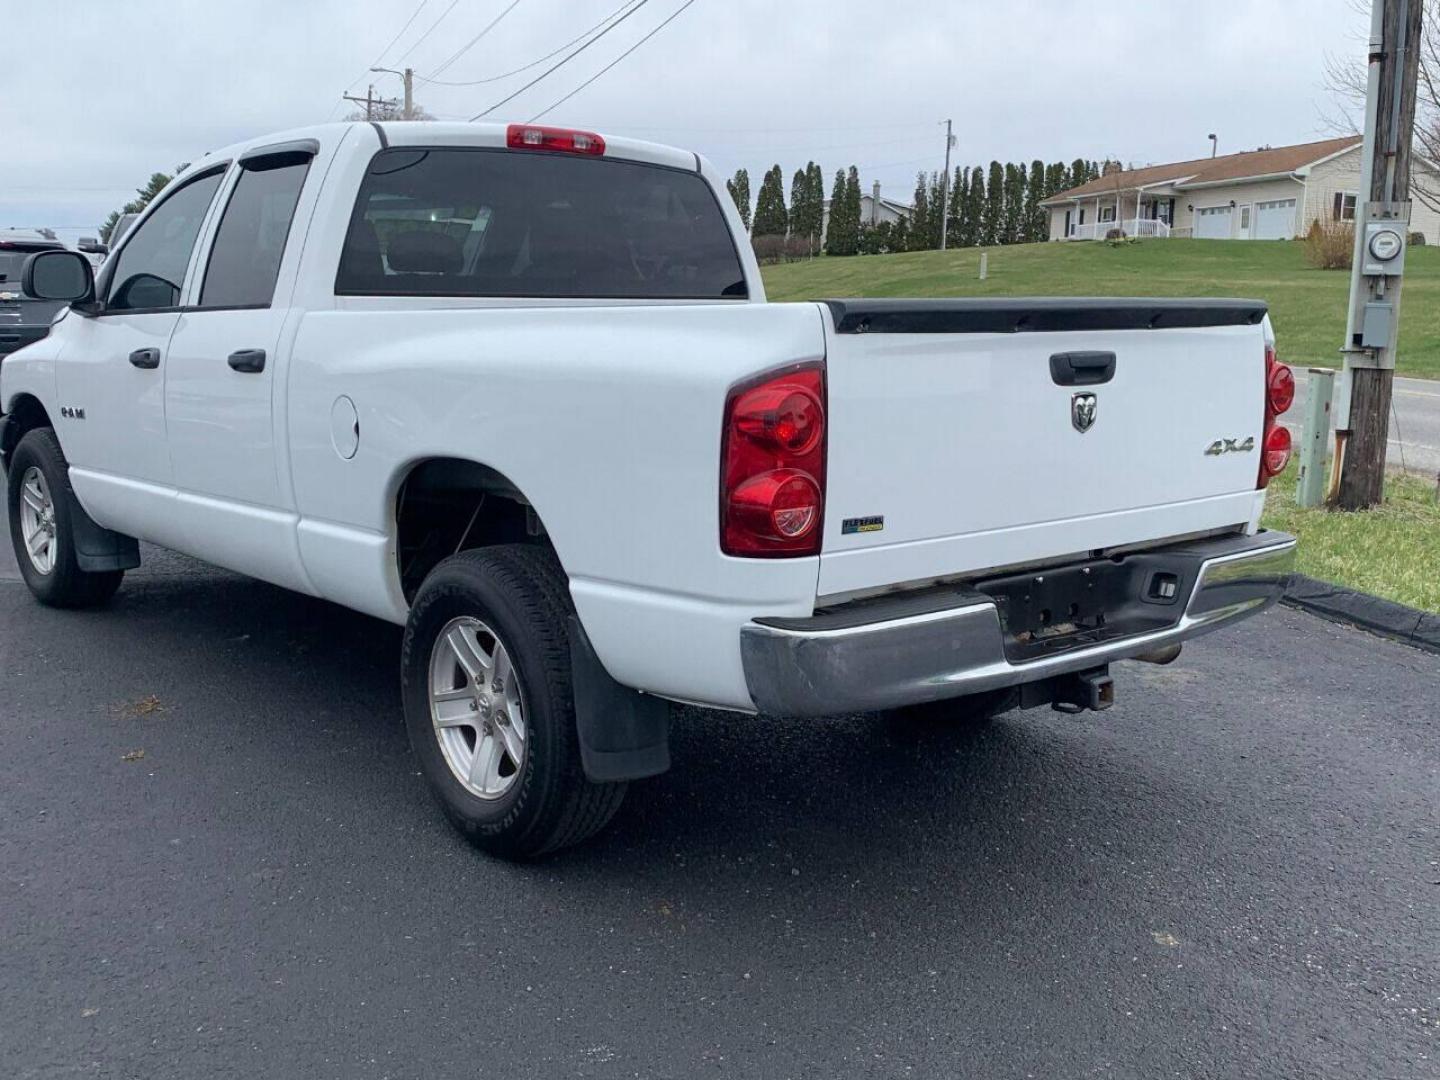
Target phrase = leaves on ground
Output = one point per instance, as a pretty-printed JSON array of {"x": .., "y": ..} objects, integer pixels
[
  {"x": 133, "y": 755},
  {"x": 146, "y": 706}
]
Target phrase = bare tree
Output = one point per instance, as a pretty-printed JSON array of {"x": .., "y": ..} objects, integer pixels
[
  {"x": 1345, "y": 79},
  {"x": 390, "y": 110}
]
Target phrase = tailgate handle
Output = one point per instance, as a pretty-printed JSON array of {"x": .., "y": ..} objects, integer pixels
[{"x": 1082, "y": 368}]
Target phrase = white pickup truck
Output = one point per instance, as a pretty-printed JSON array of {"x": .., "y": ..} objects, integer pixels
[{"x": 517, "y": 388}]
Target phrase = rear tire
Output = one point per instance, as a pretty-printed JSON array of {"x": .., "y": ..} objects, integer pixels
[
  {"x": 500, "y": 751},
  {"x": 42, "y": 508}
]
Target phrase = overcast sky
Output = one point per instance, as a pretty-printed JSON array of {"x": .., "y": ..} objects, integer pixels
[{"x": 98, "y": 94}]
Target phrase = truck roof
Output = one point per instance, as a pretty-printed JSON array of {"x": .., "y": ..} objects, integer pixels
[{"x": 448, "y": 133}]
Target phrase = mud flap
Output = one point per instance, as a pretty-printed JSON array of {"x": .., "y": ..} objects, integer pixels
[
  {"x": 98, "y": 548},
  {"x": 624, "y": 734}
]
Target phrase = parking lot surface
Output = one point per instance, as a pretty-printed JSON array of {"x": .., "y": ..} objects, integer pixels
[{"x": 217, "y": 860}]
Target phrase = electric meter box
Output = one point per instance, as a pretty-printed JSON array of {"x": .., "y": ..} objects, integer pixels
[
  {"x": 1376, "y": 325},
  {"x": 1384, "y": 252}
]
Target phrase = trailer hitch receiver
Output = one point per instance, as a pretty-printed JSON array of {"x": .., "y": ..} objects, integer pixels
[{"x": 1093, "y": 689}]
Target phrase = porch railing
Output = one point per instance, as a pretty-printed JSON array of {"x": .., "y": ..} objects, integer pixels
[{"x": 1098, "y": 230}]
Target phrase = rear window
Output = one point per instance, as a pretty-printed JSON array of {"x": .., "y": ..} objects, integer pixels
[
  {"x": 456, "y": 222},
  {"x": 13, "y": 256},
  {"x": 245, "y": 258}
]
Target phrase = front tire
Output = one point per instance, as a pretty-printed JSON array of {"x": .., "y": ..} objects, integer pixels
[
  {"x": 485, "y": 674},
  {"x": 42, "y": 527}
]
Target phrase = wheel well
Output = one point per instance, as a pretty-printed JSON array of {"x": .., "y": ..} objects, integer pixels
[
  {"x": 25, "y": 414},
  {"x": 445, "y": 505}
]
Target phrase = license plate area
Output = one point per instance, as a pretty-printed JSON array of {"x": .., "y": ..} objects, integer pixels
[{"x": 1045, "y": 612}]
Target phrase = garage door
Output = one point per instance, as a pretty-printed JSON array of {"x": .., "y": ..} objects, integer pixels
[
  {"x": 1212, "y": 223},
  {"x": 1275, "y": 220}
]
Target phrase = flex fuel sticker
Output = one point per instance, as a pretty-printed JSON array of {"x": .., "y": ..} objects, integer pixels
[{"x": 862, "y": 525}]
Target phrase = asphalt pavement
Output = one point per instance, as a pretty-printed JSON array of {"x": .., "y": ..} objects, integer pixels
[
  {"x": 217, "y": 860},
  {"x": 1414, "y": 423}
]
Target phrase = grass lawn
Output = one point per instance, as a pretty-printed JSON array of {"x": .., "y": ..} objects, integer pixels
[
  {"x": 1393, "y": 551},
  {"x": 1307, "y": 306}
]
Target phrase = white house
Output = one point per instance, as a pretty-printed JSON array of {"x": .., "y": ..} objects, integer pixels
[
  {"x": 874, "y": 209},
  {"x": 1270, "y": 194}
]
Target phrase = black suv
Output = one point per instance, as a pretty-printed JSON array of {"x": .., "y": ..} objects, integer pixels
[{"x": 22, "y": 320}]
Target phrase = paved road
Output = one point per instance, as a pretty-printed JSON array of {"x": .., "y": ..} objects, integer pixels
[
  {"x": 1235, "y": 872},
  {"x": 1414, "y": 426}
]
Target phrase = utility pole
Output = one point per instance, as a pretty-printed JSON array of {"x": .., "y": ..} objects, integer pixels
[
  {"x": 945, "y": 187},
  {"x": 1357, "y": 478},
  {"x": 370, "y": 101},
  {"x": 407, "y": 110}
]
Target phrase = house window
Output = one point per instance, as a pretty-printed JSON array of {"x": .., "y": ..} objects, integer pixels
[
  {"x": 1344, "y": 208},
  {"x": 1107, "y": 213}
]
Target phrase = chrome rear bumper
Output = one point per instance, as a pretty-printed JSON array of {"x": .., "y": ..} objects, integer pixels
[{"x": 893, "y": 655}]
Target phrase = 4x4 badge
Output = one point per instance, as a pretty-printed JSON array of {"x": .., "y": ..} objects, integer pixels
[
  {"x": 1082, "y": 411},
  {"x": 1230, "y": 446}
]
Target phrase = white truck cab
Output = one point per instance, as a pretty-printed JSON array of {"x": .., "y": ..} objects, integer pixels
[{"x": 518, "y": 389}]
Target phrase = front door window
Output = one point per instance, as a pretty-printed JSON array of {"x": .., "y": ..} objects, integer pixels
[{"x": 150, "y": 268}]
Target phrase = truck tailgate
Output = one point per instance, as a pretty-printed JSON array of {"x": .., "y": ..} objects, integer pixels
[{"x": 956, "y": 444}]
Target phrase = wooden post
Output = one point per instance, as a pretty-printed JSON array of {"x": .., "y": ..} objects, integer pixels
[{"x": 1363, "y": 419}]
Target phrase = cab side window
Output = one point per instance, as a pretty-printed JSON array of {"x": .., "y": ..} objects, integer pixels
[
  {"x": 150, "y": 269},
  {"x": 245, "y": 258}
]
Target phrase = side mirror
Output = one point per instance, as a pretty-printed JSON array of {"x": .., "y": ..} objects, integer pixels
[{"x": 58, "y": 275}]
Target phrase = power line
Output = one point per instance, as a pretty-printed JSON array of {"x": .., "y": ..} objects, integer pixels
[
  {"x": 808, "y": 127},
  {"x": 765, "y": 150},
  {"x": 413, "y": 16},
  {"x": 415, "y": 44},
  {"x": 471, "y": 43},
  {"x": 895, "y": 164},
  {"x": 561, "y": 62},
  {"x": 533, "y": 63},
  {"x": 675, "y": 15}
]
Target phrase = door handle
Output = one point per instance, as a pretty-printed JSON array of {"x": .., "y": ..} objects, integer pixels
[
  {"x": 249, "y": 361},
  {"x": 1082, "y": 368},
  {"x": 145, "y": 358}
]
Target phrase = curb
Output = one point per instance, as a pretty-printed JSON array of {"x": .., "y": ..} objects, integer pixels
[{"x": 1385, "y": 618}]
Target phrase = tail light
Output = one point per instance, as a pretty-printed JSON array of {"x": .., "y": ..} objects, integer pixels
[
  {"x": 561, "y": 140},
  {"x": 772, "y": 478},
  {"x": 1279, "y": 396},
  {"x": 1276, "y": 452}
]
